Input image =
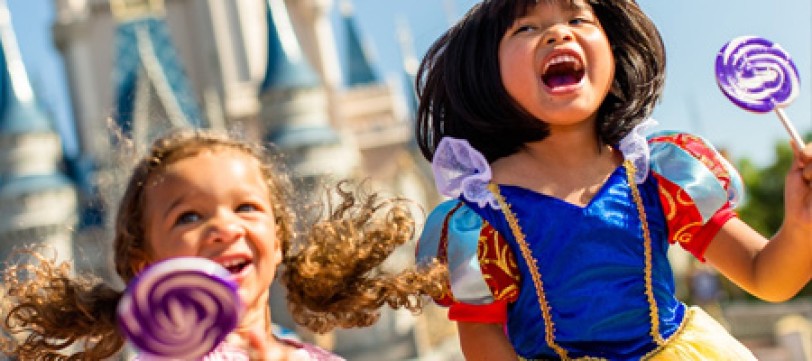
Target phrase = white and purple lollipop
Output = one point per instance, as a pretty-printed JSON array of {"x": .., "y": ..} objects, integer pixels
[
  {"x": 180, "y": 308},
  {"x": 758, "y": 75}
]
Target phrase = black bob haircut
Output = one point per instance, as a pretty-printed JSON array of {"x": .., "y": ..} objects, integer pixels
[{"x": 461, "y": 93}]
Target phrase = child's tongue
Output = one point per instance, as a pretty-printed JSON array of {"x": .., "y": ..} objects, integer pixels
[{"x": 560, "y": 80}]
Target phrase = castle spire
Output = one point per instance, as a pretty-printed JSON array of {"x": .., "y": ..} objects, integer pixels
[
  {"x": 358, "y": 68},
  {"x": 287, "y": 65},
  {"x": 37, "y": 201},
  {"x": 147, "y": 68},
  {"x": 295, "y": 106},
  {"x": 19, "y": 111},
  {"x": 410, "y": 63}
]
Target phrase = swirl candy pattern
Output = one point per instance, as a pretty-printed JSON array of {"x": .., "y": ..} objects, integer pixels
[
  {"x": 756, "y": 74},
  {"x": 181, "y": 308}
]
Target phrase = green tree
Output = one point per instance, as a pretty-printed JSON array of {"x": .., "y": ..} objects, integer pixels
[{"x": 763, "y": 207}]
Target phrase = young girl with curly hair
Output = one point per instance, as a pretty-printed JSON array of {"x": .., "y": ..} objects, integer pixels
[
  {"x": 203, "y": 194},
  {"x": 533, "y": 113}
]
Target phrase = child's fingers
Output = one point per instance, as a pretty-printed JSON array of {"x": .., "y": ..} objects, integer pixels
[
  {"x": 804, "y": 156},
  {"x": 257, "y": 346},
  {"x": 260, "y": 348}
]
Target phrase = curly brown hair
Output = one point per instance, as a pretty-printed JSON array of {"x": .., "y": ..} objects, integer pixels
[
  {"x": 49, "y": 309},
  {"x": 332, "y": 275},
  {"x": 329, "y": 271}
]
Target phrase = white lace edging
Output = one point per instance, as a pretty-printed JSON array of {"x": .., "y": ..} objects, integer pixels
[
  {"x": 459, "y": 169},
  {"x": 634, "y": 147}
]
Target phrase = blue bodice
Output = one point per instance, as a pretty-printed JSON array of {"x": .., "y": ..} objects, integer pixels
[
  {"x": 571, "y": 281},
  {"x": 593, "y": 269}
]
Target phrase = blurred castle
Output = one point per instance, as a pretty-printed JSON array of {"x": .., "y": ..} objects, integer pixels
[{"x": 272, "y": 70}]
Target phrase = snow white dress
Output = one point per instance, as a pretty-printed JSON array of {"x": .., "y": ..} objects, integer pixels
[{"x": 592, "y": 282}]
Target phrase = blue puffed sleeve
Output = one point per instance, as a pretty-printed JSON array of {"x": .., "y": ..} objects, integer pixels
[
  {"x": 452, "y": 234},
  {"x": 692, "y": 163}
]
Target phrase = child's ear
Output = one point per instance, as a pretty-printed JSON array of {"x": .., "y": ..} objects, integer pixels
[{"x": 278, "y": 252}]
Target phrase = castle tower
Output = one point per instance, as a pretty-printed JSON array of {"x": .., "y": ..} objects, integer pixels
[
  {"x": 152, "y": 93},
  {"x": 377, "y": 114},
  {"x": 37, "y": 201},
  {"x": 410, "y": 64},
  {"x": 295, "y": 107},
  {"x": 357, "y": 68},
  {"x": 215, "y": 47}
]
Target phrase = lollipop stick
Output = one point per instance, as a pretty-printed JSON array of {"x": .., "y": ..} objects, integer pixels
[{"x": 796, "y": 138}]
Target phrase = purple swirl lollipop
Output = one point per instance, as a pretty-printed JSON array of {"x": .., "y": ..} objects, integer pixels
[
  {"x": 758, "y": 75},
  {"x": 180, "y": 308}
]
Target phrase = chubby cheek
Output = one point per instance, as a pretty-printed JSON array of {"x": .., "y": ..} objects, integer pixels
[
  {"x": 515, "y": 71},
  {"x": 160, "y": 248},
  {"x": 603, "y": 60}
]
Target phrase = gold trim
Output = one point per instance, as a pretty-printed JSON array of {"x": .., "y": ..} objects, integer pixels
[
  {"x": 534, "y": 272},
  {"x": 686, "y": 318},
  {"x": 641, "y": 212},
  {"x": 532, "y": 265}
]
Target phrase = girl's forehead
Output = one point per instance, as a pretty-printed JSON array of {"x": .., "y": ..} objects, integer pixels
[
  {"x": 566, "y": 4},
  {"x": 216, "y": 154},
  {"x": 205, "y": 162},
  {"x": 207, "y": 174},
  {"x": 522, "y": 8}
]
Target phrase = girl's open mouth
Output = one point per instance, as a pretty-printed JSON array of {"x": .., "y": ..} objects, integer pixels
[
  {"x": 236, "y": 266},
  {"x": 563, "y": 71}
]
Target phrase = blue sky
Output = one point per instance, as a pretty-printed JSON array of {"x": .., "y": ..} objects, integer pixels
[{"x": 693, "y": 31}]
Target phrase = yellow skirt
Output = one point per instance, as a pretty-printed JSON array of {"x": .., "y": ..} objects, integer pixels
[{"x": 702, "y": 338}]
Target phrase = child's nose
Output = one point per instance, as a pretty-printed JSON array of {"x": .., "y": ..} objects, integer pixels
[
  {"x": 557, "y": 35},
  {"x": 226, "y": 229}
]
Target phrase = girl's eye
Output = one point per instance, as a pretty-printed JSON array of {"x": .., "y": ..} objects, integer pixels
[
  {"x": 247, "y": 207},
  {"x": 578, "y": 21},
  {"x": 524, "y": 28},
  {"x": 188, "y": 217}
]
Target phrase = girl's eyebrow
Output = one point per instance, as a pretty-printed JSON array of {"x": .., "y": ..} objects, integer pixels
[
  {"x": 175, "y": 203},
  {"x": 579, "y": 5}
]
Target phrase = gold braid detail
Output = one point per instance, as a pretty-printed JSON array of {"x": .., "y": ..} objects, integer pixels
[
  {"x": 652, "y": 303},
  {"x": 532, "y": 265},
  {"x": 534, "y": 271}
]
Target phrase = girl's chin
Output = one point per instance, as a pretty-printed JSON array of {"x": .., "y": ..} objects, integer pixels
[
  {"x": 248, "y": 298},
  {"x": 250, "y": 295}
]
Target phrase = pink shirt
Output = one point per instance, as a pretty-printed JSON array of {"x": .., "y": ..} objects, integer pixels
[{"x": 227, "y": 352}]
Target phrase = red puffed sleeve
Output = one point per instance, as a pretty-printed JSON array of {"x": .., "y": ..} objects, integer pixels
[
  {"x": 483, "y": 275},
  {"x": 698, "y": 188}
]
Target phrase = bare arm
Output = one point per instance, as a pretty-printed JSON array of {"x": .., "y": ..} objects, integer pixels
[
  {"x": 775, "y": 269},
  {"x": 485, "y": 341}
]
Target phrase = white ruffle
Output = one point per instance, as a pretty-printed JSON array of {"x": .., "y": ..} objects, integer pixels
[
  {"x": 634, "y": 147},
  {"x": 461, "y": 170}
]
